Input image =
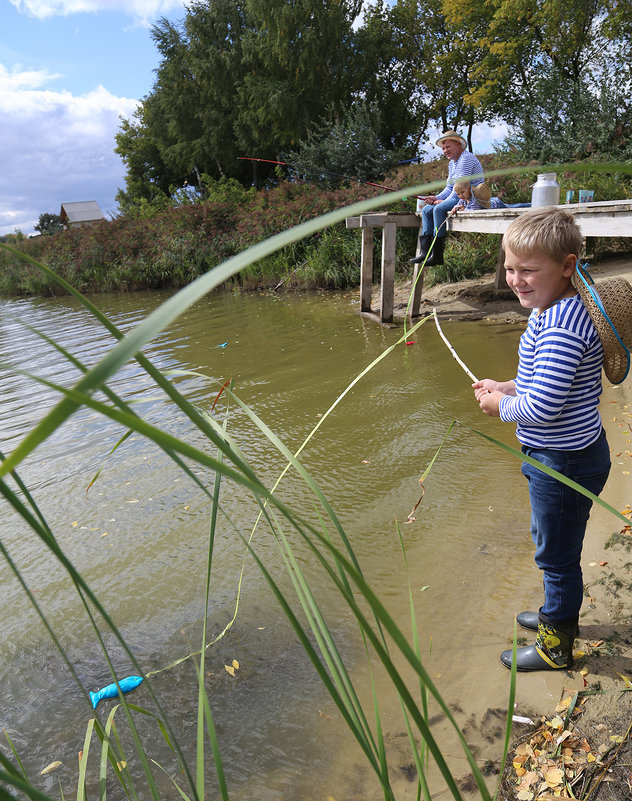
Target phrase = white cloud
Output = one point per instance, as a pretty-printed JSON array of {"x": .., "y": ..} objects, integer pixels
[
  {"x": 55, "y": 147},
  {"x": 139, "y": 9}
]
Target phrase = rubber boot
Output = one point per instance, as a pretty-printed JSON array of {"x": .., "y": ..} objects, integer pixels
[
  {"x": 530, "y": 620},
  {"x": 424, "y": 244},
  {"x": 436, "y": 254},
  {"x": 553, "y": 648}
]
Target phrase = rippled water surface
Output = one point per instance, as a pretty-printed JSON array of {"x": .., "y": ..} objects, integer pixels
[{"x": 139, "y": 534}]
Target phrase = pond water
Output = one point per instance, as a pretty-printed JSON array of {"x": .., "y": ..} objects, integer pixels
[{"x": 139, "y": 535}]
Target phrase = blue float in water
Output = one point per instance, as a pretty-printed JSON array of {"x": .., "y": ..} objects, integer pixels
[{"x": 127, "y": 684}]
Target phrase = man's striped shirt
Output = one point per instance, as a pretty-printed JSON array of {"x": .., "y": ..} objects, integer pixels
[
  {"x": 465, "y": 166},
  {"x": 559, "y": 379}
]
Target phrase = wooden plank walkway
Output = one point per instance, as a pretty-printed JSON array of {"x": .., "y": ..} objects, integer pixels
[{"x": 600, "y": 218}]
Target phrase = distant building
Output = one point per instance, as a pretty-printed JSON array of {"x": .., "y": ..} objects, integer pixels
[{"x": 82, "y": 212}]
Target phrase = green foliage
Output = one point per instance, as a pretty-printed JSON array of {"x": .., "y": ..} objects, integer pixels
[
  {"x": 466, "y": 256},
  {"x": 334, "y": 152},
  {"x": 49, "y": 224},
  {"x": 563, "y": 121},
  {"x": 169, "y": 244}
]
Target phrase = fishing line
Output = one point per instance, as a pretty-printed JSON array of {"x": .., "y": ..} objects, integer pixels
[{"x": 328, "y": 172}]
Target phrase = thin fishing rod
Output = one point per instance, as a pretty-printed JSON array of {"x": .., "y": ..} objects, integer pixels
[{"x": 329, "y": 172}]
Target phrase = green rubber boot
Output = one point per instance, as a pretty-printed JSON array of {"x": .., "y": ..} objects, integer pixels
[{"x": 553, "y": 648}]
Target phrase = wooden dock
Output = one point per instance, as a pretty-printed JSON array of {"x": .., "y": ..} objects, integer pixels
[{"x": 601, "y": 218}]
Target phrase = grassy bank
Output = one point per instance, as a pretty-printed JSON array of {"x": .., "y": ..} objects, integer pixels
[{"x": 171, "y": 247}]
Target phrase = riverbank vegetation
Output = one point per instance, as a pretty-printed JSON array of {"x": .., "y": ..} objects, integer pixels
[{"x": 169, "y": 243}]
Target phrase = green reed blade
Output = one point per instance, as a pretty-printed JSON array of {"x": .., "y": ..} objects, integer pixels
[
  {"x": 214, "y": 742},
  {"x": 204, "y": 710},
  {"x": 326, "y": 643},
  {"x": 510, "y": 705},
  {"x": 378, "y": 610},
  {"x": 114, "y": 398},
  {"x": 549, "y": 471},
  {"x": 108, "y": 754},
  {"x": 173, "y": 781},
  {"x": 320, "y": 669},
  {"x": 83, "y": 762},
  {"x": 21, "y": 784},
  {"x": 7, "y": 764}
]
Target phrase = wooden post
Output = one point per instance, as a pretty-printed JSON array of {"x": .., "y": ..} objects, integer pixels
[
  {"x": 418, "y": 282},
  {"x": 366, "y": 269},
  {"x": 387, "y": 288},
  {"x": 501, "y": 280}
]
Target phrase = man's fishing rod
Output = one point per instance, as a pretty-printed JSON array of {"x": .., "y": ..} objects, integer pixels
[{"x": 329, "y": 172}]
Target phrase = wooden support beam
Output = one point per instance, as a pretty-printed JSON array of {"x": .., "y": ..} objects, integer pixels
[
  {"x": 418, "y": 283},
  {"x": 366, "y": 269},
  {"x": 500, "y": 282},
  {"x": 387, "y": 288}
]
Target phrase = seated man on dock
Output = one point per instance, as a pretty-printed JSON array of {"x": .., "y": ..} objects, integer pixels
[{"x": 462, "y": 163}]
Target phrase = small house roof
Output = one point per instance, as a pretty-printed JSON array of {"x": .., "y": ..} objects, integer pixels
[{"x": 81, "y": 211}]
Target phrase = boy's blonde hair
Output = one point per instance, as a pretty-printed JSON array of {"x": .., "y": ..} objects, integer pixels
[
  {"x": 461, "y": 186},
  {"x": 549, "y": 230}
]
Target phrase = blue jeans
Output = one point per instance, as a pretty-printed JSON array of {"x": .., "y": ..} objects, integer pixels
[
  {"x": 558, "y": 521},
  {"x": 497, "y": 203},
  {"x": 434, "y": 216}
]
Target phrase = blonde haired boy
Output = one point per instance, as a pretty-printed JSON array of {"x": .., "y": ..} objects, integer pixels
[{"x": 554, "y": 402}]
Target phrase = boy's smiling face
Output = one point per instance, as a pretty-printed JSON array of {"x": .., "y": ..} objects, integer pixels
[{"x": 537, "y": 279}]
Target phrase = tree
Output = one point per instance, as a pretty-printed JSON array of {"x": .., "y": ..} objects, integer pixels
[
  {"x": 436, "y": 56},
  {"x": 49, "y": 224},
  {"x": 300, "y": 57},
  {"x": 334, "y": 153},
  {"x": 387, "y": 80}
]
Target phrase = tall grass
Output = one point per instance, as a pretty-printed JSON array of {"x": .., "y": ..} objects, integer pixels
[{"x": 333, "y": 562}]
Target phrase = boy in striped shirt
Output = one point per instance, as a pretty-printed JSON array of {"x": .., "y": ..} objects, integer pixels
[{"x": 554, "y": 402}]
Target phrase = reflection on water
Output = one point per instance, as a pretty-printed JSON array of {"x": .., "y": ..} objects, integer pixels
[{"x": 139, "y": 535}]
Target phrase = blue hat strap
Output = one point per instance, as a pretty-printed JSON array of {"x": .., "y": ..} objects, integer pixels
[{"x": 583, "y": 272}]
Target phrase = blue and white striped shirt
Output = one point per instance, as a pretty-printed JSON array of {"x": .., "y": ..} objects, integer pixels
[
  {"x": 467, "y": 164},
  {"x": 559, "y": 379}
]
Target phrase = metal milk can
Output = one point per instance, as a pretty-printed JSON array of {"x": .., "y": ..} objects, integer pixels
[{"x": 546, "y": 190}]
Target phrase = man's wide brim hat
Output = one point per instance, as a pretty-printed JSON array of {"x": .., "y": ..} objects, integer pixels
[
  {"x": 609, "y": 304},
  {"x": 483, "y": 194},
  {"x": 451, "y": 135}
]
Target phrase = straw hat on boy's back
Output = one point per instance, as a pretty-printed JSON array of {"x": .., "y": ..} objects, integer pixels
[
  {"x": 482, "y": 193},
  {"x": 609, "y": 304}
]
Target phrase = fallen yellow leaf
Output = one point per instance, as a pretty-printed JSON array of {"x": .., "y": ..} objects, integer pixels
[
  {"x": 626, "y": 680},
  {"x": 235, "y": 664},
  {"x": 230, "y": 669},
  {"x": 554, "y": 777},
  {"x": 50, "y": 768}
]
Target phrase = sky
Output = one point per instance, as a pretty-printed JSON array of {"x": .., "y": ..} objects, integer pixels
[{"x": 69, "y": 69}]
